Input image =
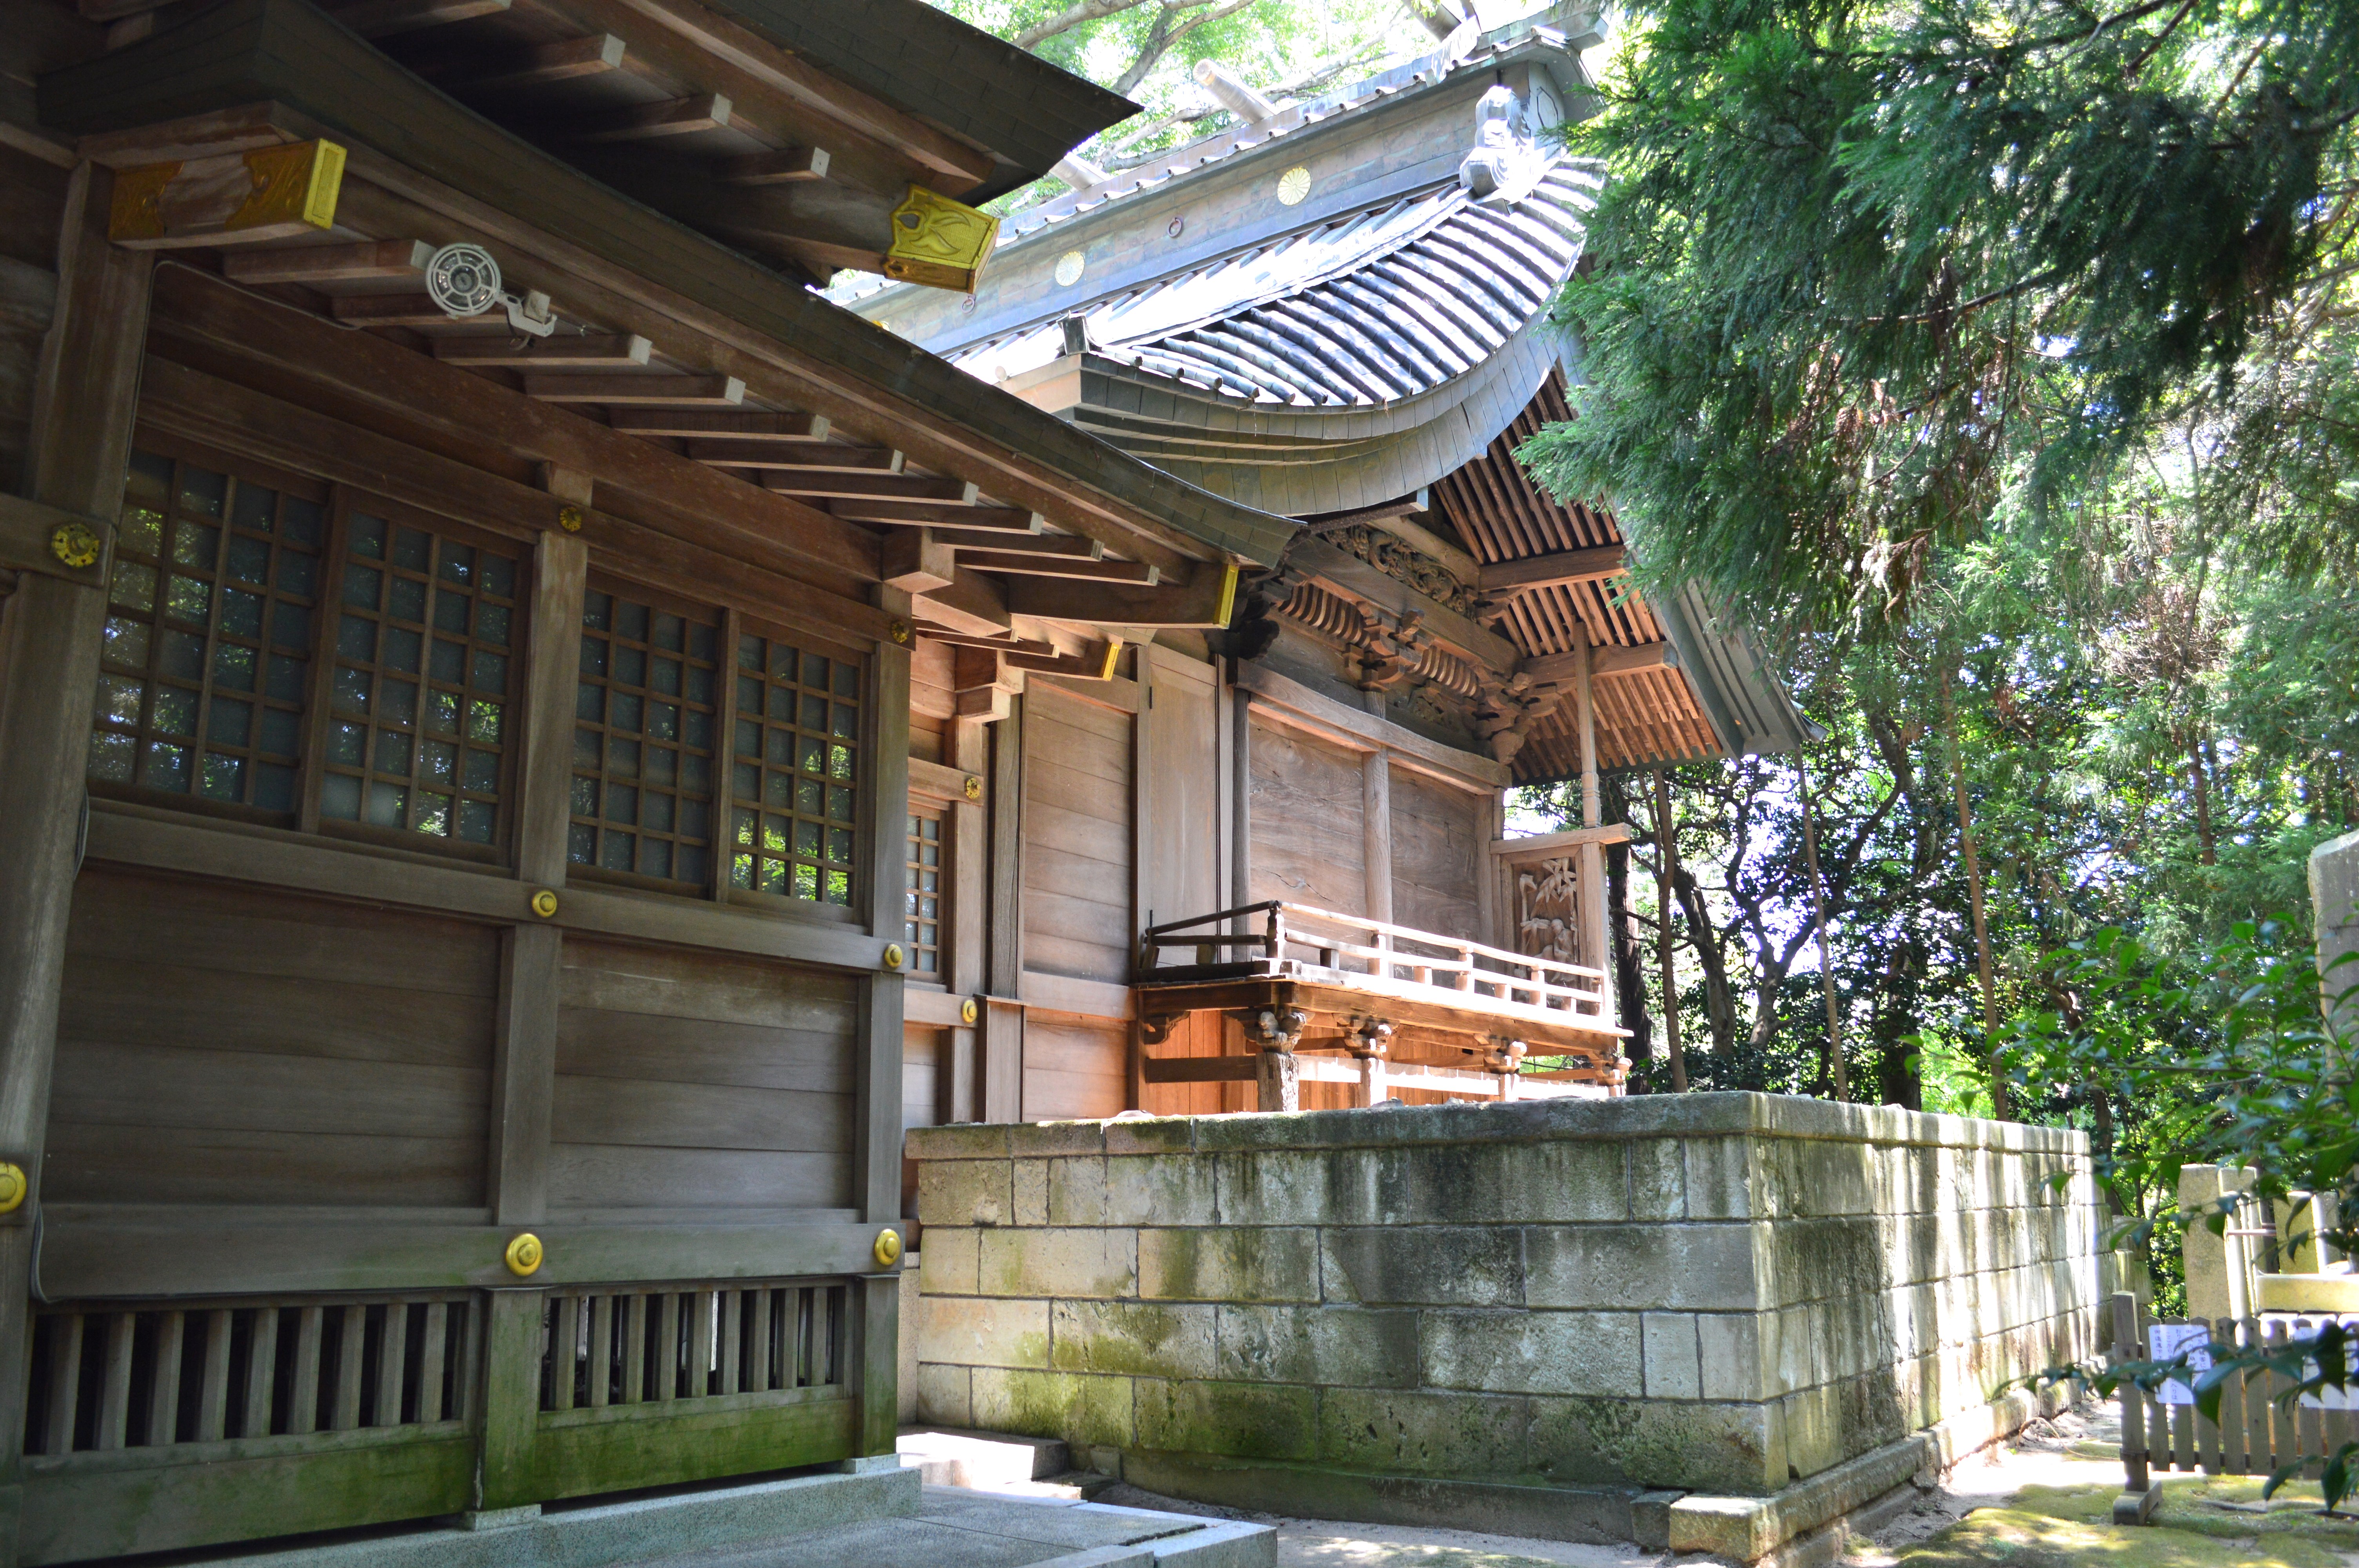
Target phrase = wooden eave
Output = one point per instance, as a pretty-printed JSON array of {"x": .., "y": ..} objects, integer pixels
[{"x": 424, "y": 167}]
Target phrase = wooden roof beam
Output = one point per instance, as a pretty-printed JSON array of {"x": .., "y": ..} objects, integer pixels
[
  {"x": 1205, "y": 598},
  {"x": 1555, "y": 669},
  {"x": 691, "y": 423},
  {"x": 329, "y": 268},
  {"x": 542, "y": 64},
  {"x": 385, "y": 18},
  {"x": 586, "y": 351},
  {"x": 1067, "y": 545},
  {"x": 638, "y": 391},
  {"x": 769, "y": 453},
  {"x": 786, "y": 167},
  {"x": 954, "y": 493},
  {"x": 1012, "y": 520},
  {"x": 1558, "y": 568},
  {"x": 1011, "y": 563},
  {"x": 655, "y": 121}
]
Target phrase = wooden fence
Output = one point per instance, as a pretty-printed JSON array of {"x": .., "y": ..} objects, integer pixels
[{"x": 2261, "y": 1426}]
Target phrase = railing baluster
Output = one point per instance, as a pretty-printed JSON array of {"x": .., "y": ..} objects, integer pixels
[
  {"x": 212, "y": 1383},
  {"x": 634, "y": 1349},
  {"x": 352, "y": 1350},
  {"x": 114, "y": 1384},
  {"x": 563, "y": 1331},
  {"x": 391, "y": 1362},
  {"x": 601, "y": 1350},
  {"x": 732, "y": 1340},
  {"x": 164, "y": 1380},
  {"x": 65, "y": 1382},
  {"x": 303, "y": 1394},
  {"x": 668, "y": 1347},
  {"x": 707, "y": 1306},
  {"x": 758, "y": 1304},
  {"x": 261, "y": 1373},
  {"x": 433, "y": 1346}
]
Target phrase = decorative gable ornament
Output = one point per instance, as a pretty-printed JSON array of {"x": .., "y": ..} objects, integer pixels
[
  {"x": 1504, "y": 157},
  {"x": 939, "y": 243}
]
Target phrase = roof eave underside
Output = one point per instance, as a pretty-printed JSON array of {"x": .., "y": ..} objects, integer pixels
[
  {"x": 930, "y": 64},
  {"x": 286, "y": 51}
]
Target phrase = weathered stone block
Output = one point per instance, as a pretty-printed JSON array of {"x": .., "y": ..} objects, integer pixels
[
  {"x": 1031, "y": 1193},
  {"x": 1491, "y": 1182},
  {"x": 1337, "y": 1345},
  {"x": 1700, "y": 1267},
  {"x": 960, "y": 1141},
  {"x": 1737, "y": 1355},
  {"x": 1046, "y": 1140},
  {"x": 946, "y": 1264},
  {"x": 1101, "y": 1264},
  {"x": 1727, "y": 1178},
  {"x": 1242, "y": 1420},
  {"x": 964, "y": 1192},
  {"x": 1156, "y": 1135},
  {"x": 1276, "y": 1186},
  {"x": 1443, "y": 1265},
  {"x": 1141, "y": 1338},
  {"x": 1424, "y": 1433},
  {"x": 1142, "y": 1190},
  {"x": 1534, "y": 1352},
  {"x": 981, "y": 1331},
  {"x": 1648, "y": 1442},
  {"x": 1673, "y": 1371},
  {"x": 1659, "y": 1187},
  {"x": 944, "y": 1396},
  {"x": 1079, "y": 1408},
  {"x": 1814, "y": 1429},
  {"x": 1258, "y": 1264}
]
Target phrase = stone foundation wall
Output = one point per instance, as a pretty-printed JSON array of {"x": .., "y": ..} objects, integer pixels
[{"x": 1711, "y": 1292}]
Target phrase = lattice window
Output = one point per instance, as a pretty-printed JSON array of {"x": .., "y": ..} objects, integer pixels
[
  {"x": 643, "y": 740},
  {"x": 423, "y": 674},
  {"x": 791, "y": 774},
  {"x": 924, "y": 936},
  {"x": 206, "y": 662},
  {"x": 627, "y": 1345}
]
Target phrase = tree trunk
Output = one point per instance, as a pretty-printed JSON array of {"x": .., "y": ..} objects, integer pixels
[
  {"x": 1667, "y": 860},
  {"x": 1975, "y": 895},
  {"x": 2200, "y": 777},
  {"x": 1719, "y": 1000},
  {"x": 1629, "y": 966},
  {"x": 1833, "y": 1059},
  {"x": 1897, "y": 1080}
]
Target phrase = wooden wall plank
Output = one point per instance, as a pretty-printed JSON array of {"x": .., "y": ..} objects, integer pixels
[
  {"x": 1305, "y": 814},
  {"x": 1438, "y": 850},
  {"x": 611, "y": 1176},
  {"x": 653, "y": 1114},
  {"x": 1180, "y": 787},
  {"x": 1078, "y": 839},
  {"x": 592, "y": 1043},
  {"x": 1073, "y": 1067},
  {"x": 122, "y": 1164}
]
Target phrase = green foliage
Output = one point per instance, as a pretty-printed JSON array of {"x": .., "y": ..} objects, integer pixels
[{"x": 1875, "y": 282}]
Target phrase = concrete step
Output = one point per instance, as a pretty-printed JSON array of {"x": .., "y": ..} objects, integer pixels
[{"x": 945, "y": 1456}]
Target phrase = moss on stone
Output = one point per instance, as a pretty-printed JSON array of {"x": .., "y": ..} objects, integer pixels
[
  {"x": 2221, "y": 1506},
  {"x": 2022, "y": 1539}
]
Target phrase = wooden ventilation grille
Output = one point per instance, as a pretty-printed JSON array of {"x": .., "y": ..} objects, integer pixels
[
  {"x": 422, "y": 683},
  {"x": 206, "y": 661},
  {"x": 643, "y": 740},
  {"x": 639, "y": 1345},
  {"x": 136, "y": 1377},
  {"x": 792, "y": 772}
]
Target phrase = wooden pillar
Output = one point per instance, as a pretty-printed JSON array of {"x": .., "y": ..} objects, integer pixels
[
  {"x": 1001, "y": 1044},
  {"x": 1277, "y": 1075},
  {"x": 1240, "y": 804},
  {"x": 1593, "y": 813},
  {"x": 532, "y": 969},
  {"x": 84, "y": 403},
  {"x": 1376, "y": 833}
]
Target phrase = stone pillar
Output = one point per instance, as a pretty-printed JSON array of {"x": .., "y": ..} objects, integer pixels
[{"x": 2219, "y": 1267}]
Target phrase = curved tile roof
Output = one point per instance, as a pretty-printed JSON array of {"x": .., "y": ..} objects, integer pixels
[{"x": 1371, "y": 310}]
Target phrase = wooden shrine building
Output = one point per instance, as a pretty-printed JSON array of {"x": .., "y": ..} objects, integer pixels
[
  {"x": 1277, "y": 851},
  {"x": 473, "y": 700}
]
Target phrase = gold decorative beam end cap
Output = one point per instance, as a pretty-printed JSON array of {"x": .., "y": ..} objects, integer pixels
[
  {"x": 13, "y": 1186},
  {"x": 544, "y": 903},
  {"x": 888, "y": 1248},
  {"x": 892, "y": 955},
  {"x": 524, "y": 1255}
]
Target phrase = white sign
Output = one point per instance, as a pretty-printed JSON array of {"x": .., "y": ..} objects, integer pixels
[{"x": 2166, "y": 1342}]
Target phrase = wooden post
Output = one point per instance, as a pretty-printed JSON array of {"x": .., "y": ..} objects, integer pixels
[
  {"x": 1240, "y": 802},
  {"x": 1376, "y": 833},
  {"x": 1667, "y": 857},
  {"x": 512, "y": 1348},
  {"x": 85, "y": 399},
  {"x": 1001, "y": 1045},
  {"x": 876, "y": 1117},
  {"x": 1593, "y": 815},
  {"x": 1278, "y": 1076}
]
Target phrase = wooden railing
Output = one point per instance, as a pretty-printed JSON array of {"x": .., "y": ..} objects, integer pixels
[
  {"x": 1349, "y": 948},
  {"x": 626, "y": 1344},
  {"x": 151, "y": 1375}
]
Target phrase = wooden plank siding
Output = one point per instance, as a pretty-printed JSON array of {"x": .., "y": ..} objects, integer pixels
[
  {"x": 1440, "y": 841},
  {"x": 228, "y": 1045},
  {"x": 1305, "y": 821},
  {"x": 1077, "y": 837},
  {"x": 701, "y": 1080}
]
